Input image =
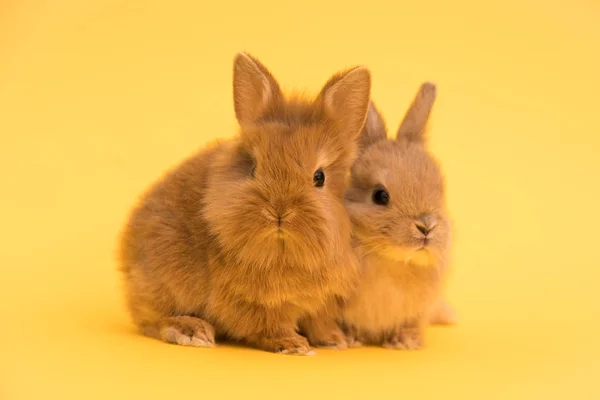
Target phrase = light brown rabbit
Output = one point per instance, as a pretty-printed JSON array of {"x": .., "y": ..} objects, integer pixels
[
  {"x": 249, "y": 239},
  {"x": 402, "y": 232}
]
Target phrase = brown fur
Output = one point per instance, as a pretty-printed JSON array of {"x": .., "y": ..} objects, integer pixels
[
  {"x": 402, "y": 276},
  {"x": 237, "y": 241}
]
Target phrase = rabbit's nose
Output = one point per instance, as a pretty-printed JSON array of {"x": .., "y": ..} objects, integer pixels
[
  {"x": 280, "y": 211},
  {"x": 422, "y": 228},
  {"x": 426, "y": 223}
]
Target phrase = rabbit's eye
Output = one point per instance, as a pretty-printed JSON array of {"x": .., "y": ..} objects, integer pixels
[
  {"x": 381, "y": 197},
  {"x": 319, "y": 178}
]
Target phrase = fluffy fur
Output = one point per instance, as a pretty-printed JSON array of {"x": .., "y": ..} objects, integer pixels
[
  {"x": 404, "y": 245},
  {"x": 237, "y": 241}
]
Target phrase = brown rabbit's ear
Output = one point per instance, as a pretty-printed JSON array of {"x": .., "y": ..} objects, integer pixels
[
  {"x": 413, "y": 126},
  {"x": 374, "y": 129},
  {"x": 254, "y": 89},
  {"x": 345, "y": 98}
]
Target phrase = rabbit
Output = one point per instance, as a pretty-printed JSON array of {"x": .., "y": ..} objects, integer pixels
[
  {"x": 401, "y": 232},
  {"x": 248, "y": 239}
]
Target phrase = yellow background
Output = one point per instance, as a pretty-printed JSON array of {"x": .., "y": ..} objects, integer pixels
[{"x": 97, "y": 98}]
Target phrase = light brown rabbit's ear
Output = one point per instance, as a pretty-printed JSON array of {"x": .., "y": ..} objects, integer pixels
[
  {"x": 254, "y": 89},
  {"x": 374, "y": 129},
  {"x": 413, "y": 126},
  {"x": 345, "y": 98}
]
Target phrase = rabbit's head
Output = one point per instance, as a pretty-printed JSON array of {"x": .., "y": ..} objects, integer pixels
[
  {"x": 396, "y": 198},
  {"x": 278, "y": 194}
]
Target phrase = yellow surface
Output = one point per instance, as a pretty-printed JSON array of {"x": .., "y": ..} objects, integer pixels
[{"x": 97, "y": 98}]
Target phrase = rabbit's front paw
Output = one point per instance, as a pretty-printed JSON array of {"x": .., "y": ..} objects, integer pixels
[
  {"x": 404, "y": 338},
  {"x": 293, "y": 344},
  {"x": 187, "y": 331},
  {"x": 352, "y": 337}
]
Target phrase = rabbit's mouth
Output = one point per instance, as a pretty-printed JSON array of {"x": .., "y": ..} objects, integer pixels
[{"x": 420, "y": 257}]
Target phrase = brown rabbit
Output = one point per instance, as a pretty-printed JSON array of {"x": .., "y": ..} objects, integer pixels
[
  {"x": 402, "y": 232},
  {"x": 249, "y": 239}
]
